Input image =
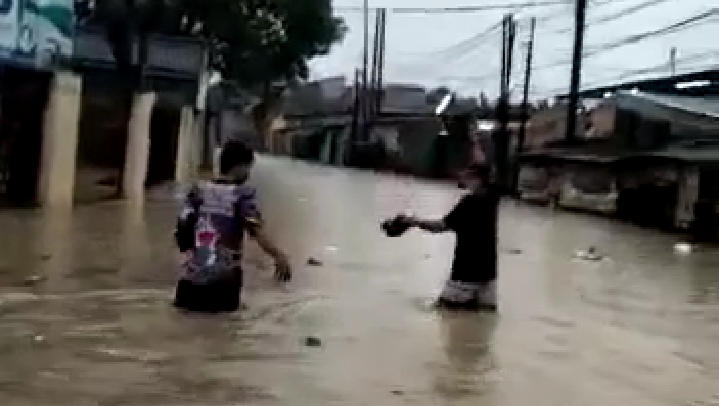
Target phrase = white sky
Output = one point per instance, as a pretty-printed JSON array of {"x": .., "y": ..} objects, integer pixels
[{"x": 420, "y": 47}]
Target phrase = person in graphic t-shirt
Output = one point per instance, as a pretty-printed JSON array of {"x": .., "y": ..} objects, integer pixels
[
  {"x": 472, "y": 282},
  {"x": 210, "y": 230}
]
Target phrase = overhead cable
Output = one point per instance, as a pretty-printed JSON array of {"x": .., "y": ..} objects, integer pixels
[{"x": 460, "y": 9}]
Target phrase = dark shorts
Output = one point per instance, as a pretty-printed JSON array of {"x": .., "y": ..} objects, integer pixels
[
  {"x": 217, "y": 297},
  {"x": 469, "y": 295}
]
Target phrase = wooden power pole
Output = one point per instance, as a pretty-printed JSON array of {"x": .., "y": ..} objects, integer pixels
[
  {"x": 527, "y": 83},
  {"x": 573, "y": 106},
  {"x": 501, "y": 134},
  {"x": 525, "y": 102}
]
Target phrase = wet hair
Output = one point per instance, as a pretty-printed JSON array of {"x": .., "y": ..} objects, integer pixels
[{"x": 234, "y": 154}]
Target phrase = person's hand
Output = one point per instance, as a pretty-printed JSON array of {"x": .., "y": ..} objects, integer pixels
[
  {"x": 283, "y": 271},
  {"x": 398, "y": 225},
  {"x": 406, "y": 219}
]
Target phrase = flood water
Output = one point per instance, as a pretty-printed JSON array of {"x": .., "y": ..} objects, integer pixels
[{"x": 85, "y": 316}]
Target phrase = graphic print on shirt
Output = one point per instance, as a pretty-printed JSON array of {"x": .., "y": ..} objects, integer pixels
[
  {"x": 221, "y": 211},
  {"x": 205, "y": 264}
]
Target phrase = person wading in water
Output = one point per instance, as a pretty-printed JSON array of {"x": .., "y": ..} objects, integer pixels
[
  {"x": 472, "y": 282},
  {"x": 210, "y": 232}
]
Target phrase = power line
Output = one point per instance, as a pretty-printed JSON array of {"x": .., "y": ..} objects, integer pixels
[
  {"x": 594, "y": 5},
  {"x": 632, "y": 39},
  {"x": 471, "y": 42},
  {"x": 624, "y": 76},
  {"x": 461, "y": 9},
  {"x": 635, "y": 38},
  {"x": 629, "y": 40},
  {"x": 633, "y": 9},
  {"x": 463, "y": 48}
]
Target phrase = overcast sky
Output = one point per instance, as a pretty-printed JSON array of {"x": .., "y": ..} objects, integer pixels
[{"x": 443, "y": 49}]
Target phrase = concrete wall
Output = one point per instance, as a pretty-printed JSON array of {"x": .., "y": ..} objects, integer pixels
[
  {"x": 56, "y": 186},
  {"x": 189, "y": 147},
  {"x": 138, "y": 146},
  {"x": 550, "y": 124}
]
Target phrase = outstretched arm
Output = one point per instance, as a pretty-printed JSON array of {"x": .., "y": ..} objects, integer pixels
[
  {"x": 450, "y": 222},
  {"x": 432, "y": 226},
  {"x": 267, "y": 244},
  {"x": 250, "y": 214},
  {"x": 283, "y": 272}
]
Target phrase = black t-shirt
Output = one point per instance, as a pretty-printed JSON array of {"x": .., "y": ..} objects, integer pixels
[{"x": 474, "y": 220}]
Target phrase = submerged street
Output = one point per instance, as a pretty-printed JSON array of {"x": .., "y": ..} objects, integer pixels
[{"x": 85, "y": 314}]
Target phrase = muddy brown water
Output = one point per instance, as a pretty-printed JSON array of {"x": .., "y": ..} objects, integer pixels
[{"x": 85, "y": 320}]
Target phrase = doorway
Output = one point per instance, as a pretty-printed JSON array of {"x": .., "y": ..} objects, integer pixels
[
  {"x": 164, "y": 129},
  {"x": 24, "y": 96}
]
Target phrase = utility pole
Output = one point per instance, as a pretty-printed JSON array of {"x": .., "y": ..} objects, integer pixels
[
  {"x": 501, "y": 134},
  {"x": 571, "y": 130},
  {"x": 365, "y": 52},
  {"x": 527, "y": 82},
  {"x": 363, "y": 115},
  {"x": 525, "y": 101},
  {"x": 503, "y": 70},
  {"x": 377, "y": 54},
  {"x": 673, "y": 60},
  {"x": 380, "y": 62},
  {"x": 511, "y": 33},
  {"x": 375, "y": 65},
  {"x": 356, "y": 124}
]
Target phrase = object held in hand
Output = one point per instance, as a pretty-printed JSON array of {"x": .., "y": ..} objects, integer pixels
[
  {"x": 397, "y": 226},
  {"x": 283, "y": 272}
]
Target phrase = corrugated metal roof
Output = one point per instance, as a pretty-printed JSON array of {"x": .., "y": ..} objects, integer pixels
[
  {"x": 696, "y": 112},
  {"x": 704, "y": 106},
  {"x": 703, "y": 154}
]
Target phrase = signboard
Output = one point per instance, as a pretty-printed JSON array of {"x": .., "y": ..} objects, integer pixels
[{"x": 36, "y": 33}]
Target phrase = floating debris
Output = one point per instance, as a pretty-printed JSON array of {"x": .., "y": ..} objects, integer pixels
[
  {"x": 514, "y": 251},
  {"x": 684, "y": 248},
  {"x": 589, "y": 255},
  {"x": 312, "y": 341},
  {"x": 314, "y": 262},
  {"x": 45, "y": 257},
  {"x": 398, "y": 392},
  {"x": 331, "y": 248},
  {"x": 39, "y": 339},
  {"x": 32, "y": 280}
]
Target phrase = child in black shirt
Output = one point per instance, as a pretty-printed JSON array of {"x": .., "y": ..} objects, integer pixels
[{"x": 472, "y": 283}]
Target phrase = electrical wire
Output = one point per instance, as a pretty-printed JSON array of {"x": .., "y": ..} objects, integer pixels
[
  {"x": 459, "y": 9},
  {"x": 467, "y": 44},
  {"x": 462, "y": 49},
  {"x": 591, "y": 51},
  {"x": 593, "y": 5},
  {"x": 633, "y": 9},
  {"x": 626, "y": 75},
  {"x": 672, "y": 28}
]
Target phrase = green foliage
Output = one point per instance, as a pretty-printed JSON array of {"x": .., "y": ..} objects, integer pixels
[{"x": 253, "y": 42}]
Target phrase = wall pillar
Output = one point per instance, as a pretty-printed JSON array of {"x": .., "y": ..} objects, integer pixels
[
  {"x": 137, "y": 154},
  {"x": 189, "y": 145},
  {"x": 687, "y": 197},
  {"x": 56, "y": 184}
]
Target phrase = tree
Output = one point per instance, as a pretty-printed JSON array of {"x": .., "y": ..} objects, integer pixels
[{"x": 253, "y": 42}]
